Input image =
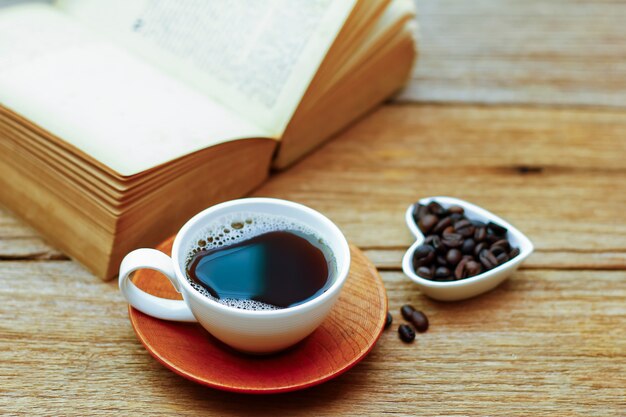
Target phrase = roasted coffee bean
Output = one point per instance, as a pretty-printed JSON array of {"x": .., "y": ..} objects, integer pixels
[
  {"x": 427, "y": 222},
  {"x": 423, "y": 255},
  {"x": 406, "y": 311},
  {"x": 442, "y": 272},
  {"x": 491, "y": 238},
  {"x": 478, "y": 223},
  {"x": 442, "y": 225},
  {"x": 456, "y": 210},
  {"x": 473, "y": 268},
  {"x": 464, "y": 228},
  {"x": 419, "y": 321},
  {"x": 438, "y": 245},
  {"x": 480, "y": 234},
  {"x": 497, "y": 250},
  {"x": 419, "y": 211},
  {"x": 455, "y": 217},
  {"x": 452, "y": 240},
  {"x": 502, "y": 258},
  {"x": 468, "y": 247},
  {"x": 503, "y": 243},
  {"x": 514, "y": 252},
  {"x": 435, "y": 242},
  {"x": 480, "y": 247},
  {"x": 425, "y": 272},
  {"x": 407, "y": 334},
  {"x": 460, "y": 271},
  {"x": 435, "y": 208},
  {"x": 388, "y": 320},
  {"x": 447, "y": 230},
  {"x": 487, "y": 259},
  {"x": 441, "y": 260},
  {"x": 497, "y": 229},
  {"x": 453, "y": 257},
  {"x": 423, "y": 251}
]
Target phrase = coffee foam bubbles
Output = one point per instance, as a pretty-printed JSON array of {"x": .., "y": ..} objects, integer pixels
[{"x": 238, "y": 227}]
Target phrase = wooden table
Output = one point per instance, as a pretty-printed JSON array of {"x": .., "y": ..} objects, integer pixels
[{"x": 518, "y": 106}]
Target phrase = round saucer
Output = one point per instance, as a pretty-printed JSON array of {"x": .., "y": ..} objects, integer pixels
[{"x": 344, "y": 338}]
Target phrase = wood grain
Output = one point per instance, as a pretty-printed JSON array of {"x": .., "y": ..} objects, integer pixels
[
  {"x": 544, "y": 343},
  {"x": 558, "y": 175},
  {"x": 536, "y": 52},
  {"x": 550, "y": 341}
]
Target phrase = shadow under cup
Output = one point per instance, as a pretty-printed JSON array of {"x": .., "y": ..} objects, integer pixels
[{"x": 258, "y": 331}]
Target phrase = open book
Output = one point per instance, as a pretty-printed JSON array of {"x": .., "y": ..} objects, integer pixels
[{"x": 120, "y": 119}]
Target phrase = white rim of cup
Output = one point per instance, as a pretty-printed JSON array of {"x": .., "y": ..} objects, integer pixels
[{"x": 341, "y": 277}]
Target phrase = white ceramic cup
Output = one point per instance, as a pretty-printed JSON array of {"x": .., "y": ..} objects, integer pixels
[{"x": 253, "y": 331}]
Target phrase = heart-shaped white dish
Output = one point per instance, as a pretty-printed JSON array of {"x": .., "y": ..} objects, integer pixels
[{"x": 468, "y": 287}]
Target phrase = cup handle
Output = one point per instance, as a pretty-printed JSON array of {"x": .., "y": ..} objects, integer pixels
[{"x": 162, "y": 308}]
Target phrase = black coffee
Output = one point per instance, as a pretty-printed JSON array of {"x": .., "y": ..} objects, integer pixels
[{"x": 279, "y": 268}]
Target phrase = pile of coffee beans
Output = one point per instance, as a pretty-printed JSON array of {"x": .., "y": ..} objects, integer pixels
[{"x": 456, "y": 247}]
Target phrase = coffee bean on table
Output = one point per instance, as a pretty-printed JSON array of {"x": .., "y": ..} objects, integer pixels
[
  {"x": 427, "y": 222},
  {"x": 406, "y": 311},
  {"x": 407, "y": 334},
  {"x": 419, "y": 320},
  {"x": 388, "y": 320},
  {"x": 453, "y": 257}
]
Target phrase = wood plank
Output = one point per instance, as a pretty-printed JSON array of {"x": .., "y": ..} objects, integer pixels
[
  {"x": 510, "y": 51},
  {"x": 19, "y": 241},
  {"x": 558, "y": 175},
  {"x": 543, "y": 343}
]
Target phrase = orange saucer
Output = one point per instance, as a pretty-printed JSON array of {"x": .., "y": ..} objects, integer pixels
[{"x": 344, "y": 338}]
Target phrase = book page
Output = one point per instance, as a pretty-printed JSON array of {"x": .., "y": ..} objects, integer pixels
[
  {"x": 99, "y": 98},
  {"x": 256, "y": 57}
]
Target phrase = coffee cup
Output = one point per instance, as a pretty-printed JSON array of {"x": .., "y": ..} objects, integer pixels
[{"x": 252, "y": 331}]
